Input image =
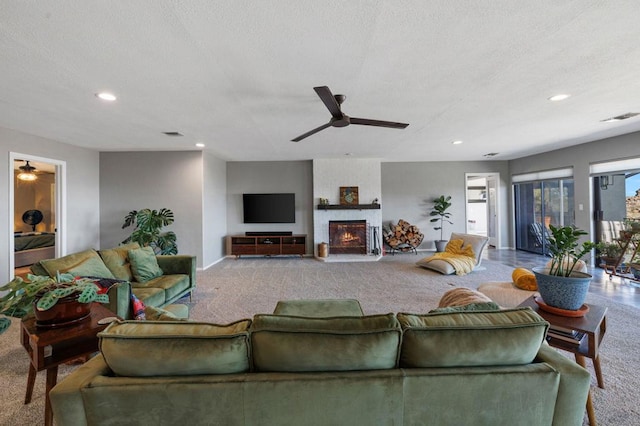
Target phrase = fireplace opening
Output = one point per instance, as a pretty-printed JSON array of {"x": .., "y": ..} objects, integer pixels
[{"x": 348, "y": 237}]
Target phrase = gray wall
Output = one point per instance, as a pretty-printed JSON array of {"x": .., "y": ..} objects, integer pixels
[
  {"x": 409, "y": 188},
  {"x": 271, "y": 177},
  {"x": 580, "y": 158},
  {"x": 137, "y": 180},
  {"x": 82, "y": 186},
  {"x": 214, "y": 209}
]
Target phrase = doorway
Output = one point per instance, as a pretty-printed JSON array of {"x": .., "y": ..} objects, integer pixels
[
  {"x": 482, "y": 206},
  {"x": 36, "y": 210}
]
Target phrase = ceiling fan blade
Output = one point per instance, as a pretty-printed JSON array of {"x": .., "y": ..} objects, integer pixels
[
  {"x": 329, "y": 101},
  {"x": 311, "y": 132},
  {"x": 378, "y": 123}
]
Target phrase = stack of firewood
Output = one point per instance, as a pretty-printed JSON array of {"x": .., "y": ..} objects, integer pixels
[{"x": 403, "y": 236}]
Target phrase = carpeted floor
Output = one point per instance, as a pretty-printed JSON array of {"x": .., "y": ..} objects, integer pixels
[{"x": 235, "y": 289}]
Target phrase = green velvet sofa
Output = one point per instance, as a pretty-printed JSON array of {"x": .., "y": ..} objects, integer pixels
[
  {"x": 157, "y": 280},
  {"x": 442, "y": 368}
]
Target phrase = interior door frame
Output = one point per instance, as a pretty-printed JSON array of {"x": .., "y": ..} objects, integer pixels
[
  {"x": 486, "y": 175},
  {"x": 60, "y": 201}
]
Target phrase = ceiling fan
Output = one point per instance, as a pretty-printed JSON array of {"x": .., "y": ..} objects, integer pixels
[{"x": 340, "y": 119}]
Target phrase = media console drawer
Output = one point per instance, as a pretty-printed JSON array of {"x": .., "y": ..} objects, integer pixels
[{"x": 266, "y": 245}]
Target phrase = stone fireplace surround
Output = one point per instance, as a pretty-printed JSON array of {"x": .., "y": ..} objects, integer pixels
[{"x": 328, "y": 176}]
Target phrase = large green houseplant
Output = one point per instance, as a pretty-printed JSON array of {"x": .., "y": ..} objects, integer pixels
[
  {"x": 41, "y": 294},
  {"x": 559, "y": 285},
  {"x": 147, "y": 231},
  {"x": 440, "y": 215}
]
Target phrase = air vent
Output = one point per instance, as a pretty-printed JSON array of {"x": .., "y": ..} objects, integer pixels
[
  {"x": 491, "y": 154},
  {"x": 173, "y": 133},
  {"x": 621, "y": 117}
]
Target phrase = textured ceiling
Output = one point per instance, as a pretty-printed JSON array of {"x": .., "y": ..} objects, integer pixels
[{"x": 238, "y": 76}]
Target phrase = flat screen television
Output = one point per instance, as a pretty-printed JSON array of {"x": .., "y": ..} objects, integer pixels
[{"x": 269, "y": 208}]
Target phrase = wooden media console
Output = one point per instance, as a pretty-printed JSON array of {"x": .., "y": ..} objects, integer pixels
[{"x": 267, "y": 245}]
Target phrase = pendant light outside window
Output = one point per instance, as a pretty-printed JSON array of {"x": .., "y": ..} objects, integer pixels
[{"x": 27, "y": 172}]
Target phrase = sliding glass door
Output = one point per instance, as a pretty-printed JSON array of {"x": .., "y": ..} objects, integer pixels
[{"x": 539, "y": 204}]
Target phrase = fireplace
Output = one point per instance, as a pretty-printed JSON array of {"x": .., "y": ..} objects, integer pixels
[{"x": 348, "y": 236}]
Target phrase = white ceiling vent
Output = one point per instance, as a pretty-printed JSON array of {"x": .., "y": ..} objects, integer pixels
[{"x": 621, "y": 117}]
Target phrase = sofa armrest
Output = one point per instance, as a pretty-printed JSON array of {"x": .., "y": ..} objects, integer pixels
[
  {"x": 573, "y": 389},
  {"x": 120, "y": 300},
  {"x": 179, "y": 264},
  {"x": 66, "y": 396}
]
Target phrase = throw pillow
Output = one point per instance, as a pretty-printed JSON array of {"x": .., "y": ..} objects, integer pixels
[
  {"x": 524, "y": 279},
  {"x": 144, "y": 264},
  {"x": 462, "y": 296},
  {"x": 117, "y": 260},
  {"x": 84, "y": 263}
]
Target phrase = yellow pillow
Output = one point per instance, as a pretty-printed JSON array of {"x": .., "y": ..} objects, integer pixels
[{"x": 524, "y": 279}]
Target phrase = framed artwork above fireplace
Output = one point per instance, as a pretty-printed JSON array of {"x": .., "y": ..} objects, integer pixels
[{"x": 348, "y": 195}]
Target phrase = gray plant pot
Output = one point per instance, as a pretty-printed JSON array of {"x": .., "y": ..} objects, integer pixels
[
  {"x": 563, "y": 292},
  {"x": 441, "y": 245}
]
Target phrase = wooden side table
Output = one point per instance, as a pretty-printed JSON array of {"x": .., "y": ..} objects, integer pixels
[
  {"x": 593, "y": 325},
  {"x": 50, "y": 347}
]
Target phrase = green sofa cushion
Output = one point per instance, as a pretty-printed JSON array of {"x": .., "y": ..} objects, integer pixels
[
  {"x": 181, "y": 348},
  {"x": 150, "y": 296},
  {"x": 117, "y": 260},
  {"x": 84, "y": 263},
  {"x": 144, "y": 265},
  {"x": 319, "y": 308},
  {"x": 172, "y": 285},
  {"x": 296, "y": 344},
  {"x": 472, "y": 338}
]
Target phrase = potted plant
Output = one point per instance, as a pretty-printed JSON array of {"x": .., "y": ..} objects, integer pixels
[
  {"x": 440, "y": 214},
  {"x": 54, "y": 301},
  {"x": 609, "y": 252},
  {"x": 148, "y": 225},
  {"x": 559, "y": 285}
]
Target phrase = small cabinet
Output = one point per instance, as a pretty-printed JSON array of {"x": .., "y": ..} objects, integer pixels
[
  {"x": 294, "y": 245},
  {"x": 266, "y": 245}
]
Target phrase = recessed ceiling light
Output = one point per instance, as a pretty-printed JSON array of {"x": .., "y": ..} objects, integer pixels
[
  {"x": 200, "y": 145},
  {"x": 106, "y": 96},
  {"x": 560, "y": 97},
  {"x": 456, "y": 142}
]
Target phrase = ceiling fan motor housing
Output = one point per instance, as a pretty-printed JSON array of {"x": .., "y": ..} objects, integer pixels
[{"x": 344, "y": 121}]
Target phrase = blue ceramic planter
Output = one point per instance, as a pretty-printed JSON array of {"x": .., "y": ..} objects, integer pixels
[{"x": 562, "y": 292}]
